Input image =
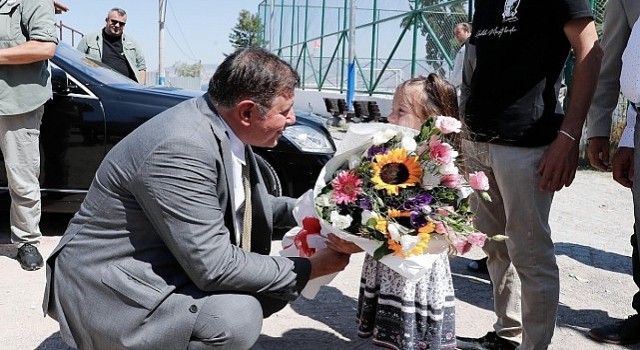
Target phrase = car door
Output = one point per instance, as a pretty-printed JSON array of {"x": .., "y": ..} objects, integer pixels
[{"x": 72, "y": 137}]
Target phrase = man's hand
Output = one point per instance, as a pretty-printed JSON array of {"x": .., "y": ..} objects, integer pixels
[
  {"x": 326, "y": 261},
  {"x": 622, "y": 164},
  {"x": 598, "y": 152},
  {"x": 343, "y": 246},
  {"x": 557, "y": 167}
]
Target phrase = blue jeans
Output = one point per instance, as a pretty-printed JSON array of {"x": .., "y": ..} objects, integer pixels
[
  {"x": 523, "y": 269},
  {"x": 19, "y": 142}
]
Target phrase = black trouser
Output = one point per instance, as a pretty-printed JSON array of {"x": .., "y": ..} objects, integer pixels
[{"x": 635, "y": 263}]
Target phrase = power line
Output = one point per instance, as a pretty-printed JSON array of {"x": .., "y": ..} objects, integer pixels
[
  {"x": 178, "y": 46},
  {"x": 186, "y": 42}
]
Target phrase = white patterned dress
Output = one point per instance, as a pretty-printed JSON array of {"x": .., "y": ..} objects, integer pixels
[{"x": 407, "y": 315}]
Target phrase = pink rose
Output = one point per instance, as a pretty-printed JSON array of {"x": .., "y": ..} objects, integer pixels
[
  {"x": 441, "y": 152},
  {"x": 442, "y": 212},
  {"x": 479, "y": 181},
  {"x": 462, "y": 246},
  {"x": 477, "y": 238},
  {"x": 450, "y": 180},
  {"x": 440, "y": 228},
  {"x": 448, "y": 124}
]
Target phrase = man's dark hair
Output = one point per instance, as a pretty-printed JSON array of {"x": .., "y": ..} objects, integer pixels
[{"x": 254, "y": 74}]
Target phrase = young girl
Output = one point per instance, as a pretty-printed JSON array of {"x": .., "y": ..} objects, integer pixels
[{"x": 398, "y": 313}]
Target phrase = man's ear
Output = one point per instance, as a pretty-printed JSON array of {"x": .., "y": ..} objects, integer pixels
[{"x": 246, "y": 110}]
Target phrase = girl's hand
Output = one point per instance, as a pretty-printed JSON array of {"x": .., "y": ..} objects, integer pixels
[{"x": 340, "y": 245}]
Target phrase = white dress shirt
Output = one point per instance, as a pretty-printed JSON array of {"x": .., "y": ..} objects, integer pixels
[
  {"x": 630, "y": 83},
  {"x": 456, "y": 74},
  {"x": 237, "y": 151}
]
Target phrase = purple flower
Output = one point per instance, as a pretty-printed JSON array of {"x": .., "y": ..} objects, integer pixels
[
  {"x": 365, "y": 203},
  {"x": 374, "y": 150},
  {"x": 417, "y": 202},
  {"x": 417, "y": 220}
]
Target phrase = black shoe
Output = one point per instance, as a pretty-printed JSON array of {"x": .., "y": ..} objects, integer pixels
[
  {"x": 478, "y": 266},
  {"x": 623, "y": 332},
  {"x": 29, "y": 257},
  {"x": 491, "y": 341}
]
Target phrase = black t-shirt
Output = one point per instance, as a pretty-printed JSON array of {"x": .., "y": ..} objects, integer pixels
[
  {"x": 113, "y": 55},
  {"x": 521, "y": 49}
]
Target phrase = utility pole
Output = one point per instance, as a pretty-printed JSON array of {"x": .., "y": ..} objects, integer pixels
[{"x": 161, "y": 72}]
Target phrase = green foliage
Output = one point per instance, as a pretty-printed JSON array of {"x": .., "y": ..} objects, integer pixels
[
  {"x": 437, "y": 27},
  {"x": 188, "y": 70},
  {"x": 598, "y": 13},
  {"x": 247, "y": 31}
]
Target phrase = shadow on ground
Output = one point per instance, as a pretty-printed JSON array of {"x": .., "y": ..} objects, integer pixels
[
  {"x": 53, "y": 342},
  {"x": 596, "y": 258}
]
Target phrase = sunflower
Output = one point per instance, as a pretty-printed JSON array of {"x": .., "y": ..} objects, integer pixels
[{"x": 394, "y": 170}]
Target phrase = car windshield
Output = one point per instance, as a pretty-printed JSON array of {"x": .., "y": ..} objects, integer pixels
[{"x": 67, "y": 56}]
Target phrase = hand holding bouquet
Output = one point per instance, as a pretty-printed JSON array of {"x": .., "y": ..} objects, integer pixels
[{"x": 399, "y": 195}]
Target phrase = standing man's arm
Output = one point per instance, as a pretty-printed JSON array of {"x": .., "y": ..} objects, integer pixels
[
  {"x": 143, "y": 77},
  {"x": 29, "y": 52},
  {"x": 82, "y": 45},
  {"x": 622, "y": 161},
  {"x": 558, "y": 164},
  {"x": 141, "y": 65},
  {"x": 38, "y": 19},
  {"x": 616, "y": 31}
]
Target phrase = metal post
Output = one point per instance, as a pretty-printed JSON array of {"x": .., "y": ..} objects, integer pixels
[
  {"x": 351, "y": 73},
  {"x": 374, "y": 40},
  {"x": 321, "y": 67},
  {"x": 161, "y": 72},
  {"x": 293, "y": 30},
  {"x": 414, "y": 19},
  {"x": 272, "y": 17}
]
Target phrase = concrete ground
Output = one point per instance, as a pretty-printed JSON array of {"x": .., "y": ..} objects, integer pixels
[{"x": 591, "y": 222}]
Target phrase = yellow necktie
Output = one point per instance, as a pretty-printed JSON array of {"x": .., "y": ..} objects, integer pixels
[{"x": 246, "y": 219}]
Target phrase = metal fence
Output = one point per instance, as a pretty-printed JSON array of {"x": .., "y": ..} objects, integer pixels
[{"x": 394, "y": 40}]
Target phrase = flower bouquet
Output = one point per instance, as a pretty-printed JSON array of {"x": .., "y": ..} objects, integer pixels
[{"x": 398, "y": 194}]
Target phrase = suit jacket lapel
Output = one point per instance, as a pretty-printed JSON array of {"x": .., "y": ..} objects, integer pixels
[{"x": 262, "y": 219}]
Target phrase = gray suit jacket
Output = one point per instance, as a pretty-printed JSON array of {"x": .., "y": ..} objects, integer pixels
[{"x": 152, "y": 238}]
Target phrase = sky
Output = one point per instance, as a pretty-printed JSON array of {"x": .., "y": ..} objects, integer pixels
[{"x": 194, "y": 29}]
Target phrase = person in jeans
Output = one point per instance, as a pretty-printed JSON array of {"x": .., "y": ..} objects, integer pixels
[
  {"x": 116, "y": 50},
  {"x": 517, "y": 134},
  {"x": 619, "y": 70},
  {"x": 28, "y": 41}
]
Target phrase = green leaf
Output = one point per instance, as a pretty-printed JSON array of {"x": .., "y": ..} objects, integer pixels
[{"x": 382, "y": 251}]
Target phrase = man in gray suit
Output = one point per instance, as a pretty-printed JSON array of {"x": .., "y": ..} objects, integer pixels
[{"x": 152, "y": 258}]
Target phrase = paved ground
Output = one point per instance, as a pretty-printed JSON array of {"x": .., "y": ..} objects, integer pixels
[{"x": 591, "y": 221}]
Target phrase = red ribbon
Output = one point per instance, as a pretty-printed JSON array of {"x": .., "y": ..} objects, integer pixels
[{"x": 310, "y": 226}]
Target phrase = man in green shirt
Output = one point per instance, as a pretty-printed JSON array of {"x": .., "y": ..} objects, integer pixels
[
  {"x": 27, "y": 41},
  {"x": 116, "y": 50}
]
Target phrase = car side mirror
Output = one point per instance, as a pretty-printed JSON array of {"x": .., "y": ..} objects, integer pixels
[{"x": 59, "y": 81}]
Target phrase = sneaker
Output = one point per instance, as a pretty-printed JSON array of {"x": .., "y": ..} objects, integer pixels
[
  {"x": 491, "y": 341},
  {"x": 29, "y": 257},
  {"x": 622, "y": 332},
  {"x": 478, "y": 266}
]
